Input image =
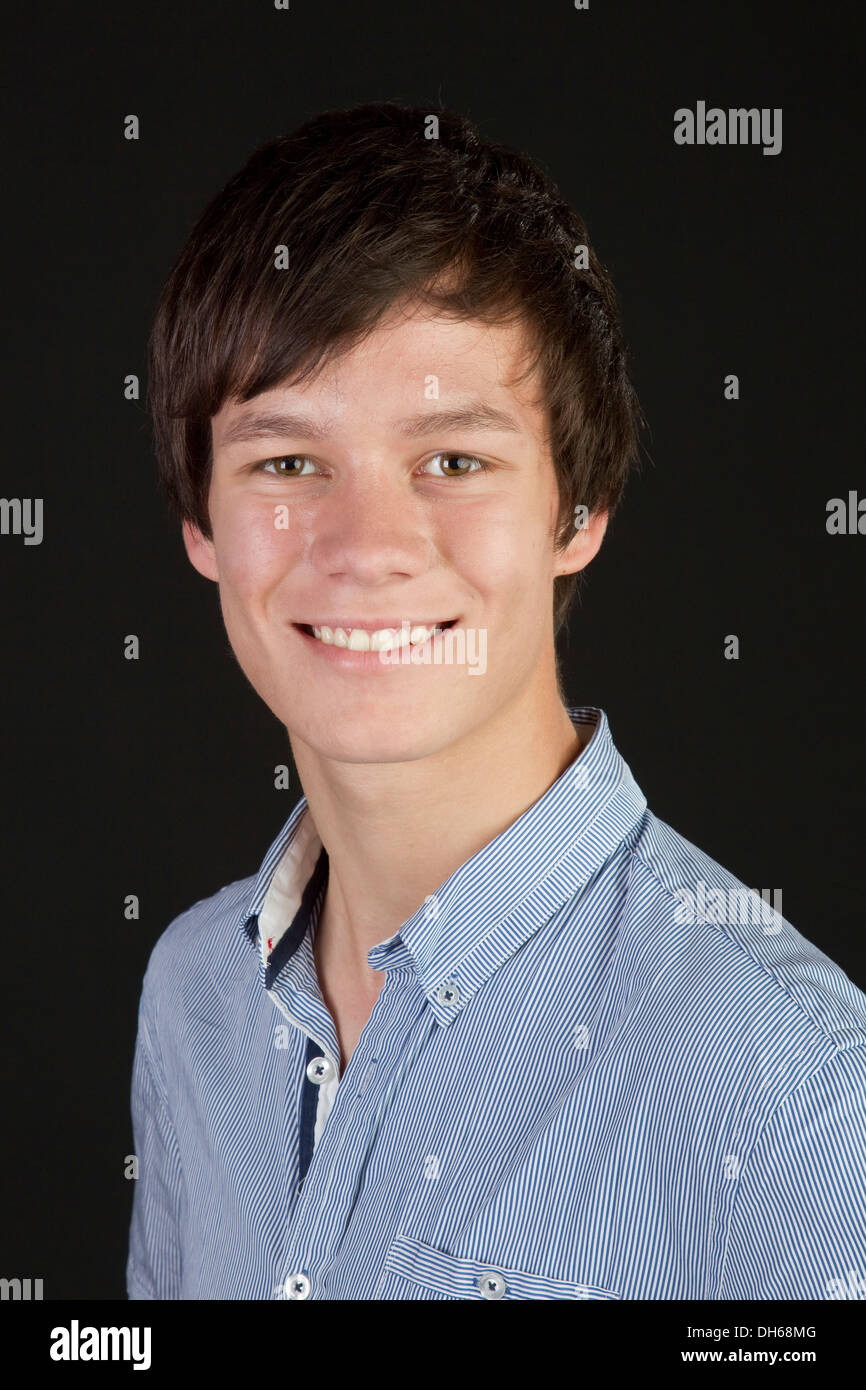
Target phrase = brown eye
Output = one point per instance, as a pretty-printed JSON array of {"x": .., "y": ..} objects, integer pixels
[
  {"x": 451, "y": 471},
  {"x": 285, "y": 472}
]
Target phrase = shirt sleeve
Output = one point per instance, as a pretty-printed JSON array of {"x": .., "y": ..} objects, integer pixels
[
  {"x": 798, "y": 1225},
  {"x": 153, "y": 1269}
]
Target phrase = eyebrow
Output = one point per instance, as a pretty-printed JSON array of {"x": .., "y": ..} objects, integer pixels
[{"x": 475, "y": 415}]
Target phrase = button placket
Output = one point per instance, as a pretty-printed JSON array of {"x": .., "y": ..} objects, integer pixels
[{"x": 357, "y": 1106}]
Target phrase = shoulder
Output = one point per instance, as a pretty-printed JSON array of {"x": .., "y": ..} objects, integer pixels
[
  {"x": 209, "y": 936},
  {"x": 753, "y": 971}
]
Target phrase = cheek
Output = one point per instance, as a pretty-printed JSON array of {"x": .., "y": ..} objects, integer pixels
[
  {"x": 503, "y": 552},
  {"x": 256, "y": 549}
]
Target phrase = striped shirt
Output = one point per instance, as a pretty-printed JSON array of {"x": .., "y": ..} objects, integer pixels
[{"x": 599, "y": 1067}]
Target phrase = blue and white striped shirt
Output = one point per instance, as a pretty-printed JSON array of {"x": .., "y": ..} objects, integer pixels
[{"x": 599, "y": 1067}]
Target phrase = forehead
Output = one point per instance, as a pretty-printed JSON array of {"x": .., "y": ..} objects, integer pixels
[{"x": 412, "y": 359}]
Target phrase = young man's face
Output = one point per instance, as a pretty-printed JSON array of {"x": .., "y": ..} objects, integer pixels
[{"x": 356, "y": 519}]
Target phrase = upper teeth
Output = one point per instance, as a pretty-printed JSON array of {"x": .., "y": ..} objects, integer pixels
[{"x": 357, "y": 639}]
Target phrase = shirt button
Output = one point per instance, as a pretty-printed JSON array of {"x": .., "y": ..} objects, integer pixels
[
  {"x": 448, "y": 993},
  {"x": 297, "y": 1286},
  {"x": 321, "y": 1069},
  {"x": 491, "y": 1284}
]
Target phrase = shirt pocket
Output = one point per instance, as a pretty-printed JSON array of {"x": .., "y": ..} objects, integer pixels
[{"x": 413, "y": 1270}]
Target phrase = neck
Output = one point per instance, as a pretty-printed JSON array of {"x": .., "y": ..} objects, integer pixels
[{"x": 395, "y": 831}]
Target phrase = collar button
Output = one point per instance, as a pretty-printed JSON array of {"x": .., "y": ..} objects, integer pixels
[{"x": 448, "y": 992}]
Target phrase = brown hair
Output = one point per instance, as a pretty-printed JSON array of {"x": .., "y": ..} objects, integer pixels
[{"x": 373, "y": 211}]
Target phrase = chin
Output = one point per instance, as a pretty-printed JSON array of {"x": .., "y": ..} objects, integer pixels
[{"x": 377, "y": 735}]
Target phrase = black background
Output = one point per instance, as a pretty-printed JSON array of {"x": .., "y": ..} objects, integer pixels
[{"x": 155, "y": 777}]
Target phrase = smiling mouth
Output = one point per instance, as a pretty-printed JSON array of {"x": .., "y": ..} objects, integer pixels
[{"x": 359, "y": 639}]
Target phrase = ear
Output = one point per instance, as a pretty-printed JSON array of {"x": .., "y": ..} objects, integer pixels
[
  {"x": 201, "y": 552},
  {"x": 583, "y": 546}
]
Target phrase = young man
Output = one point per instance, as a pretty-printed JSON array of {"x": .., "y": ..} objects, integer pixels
[{"x": 481, "y": 1026}]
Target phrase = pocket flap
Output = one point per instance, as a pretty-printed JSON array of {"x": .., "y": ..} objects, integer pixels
[{"x": 451, "y": 1277}]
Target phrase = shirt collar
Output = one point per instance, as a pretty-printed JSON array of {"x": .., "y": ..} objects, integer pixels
[{"x": 491, "y": 904}]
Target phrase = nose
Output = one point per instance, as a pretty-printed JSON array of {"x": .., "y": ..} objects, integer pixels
[{"x": 371, "y": 530}]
